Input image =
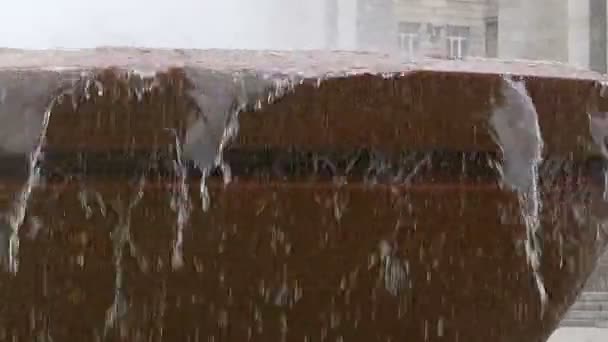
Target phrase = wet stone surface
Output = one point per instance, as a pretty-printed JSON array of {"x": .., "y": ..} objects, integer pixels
[{"x": 201, "y": 205}]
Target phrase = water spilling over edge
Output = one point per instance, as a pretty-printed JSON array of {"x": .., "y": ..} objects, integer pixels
[
  {"x": 221, "y": 97},
  {"x": 230, "y": 133},
  {"x": 516, "y": 130},
  {"x": 21, "y": 115}
]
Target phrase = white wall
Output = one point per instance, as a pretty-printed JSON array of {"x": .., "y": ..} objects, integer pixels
[
  {"x": 578, "y": 34},
  {"x": 579, "y": 335},
  {"x": 347, "y": 25},
  {"x": 533, "y": 29}
]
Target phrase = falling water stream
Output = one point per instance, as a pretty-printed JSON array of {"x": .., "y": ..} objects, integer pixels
[
  {"x": 17, "y": 216},
  {"x": 180, "y": 203},
  {"x": 207, "y": 138},
  {"x": 598, "y": 128},
  {"x": 221, "y": 97},
  {"x": 515, "y": 125},
  {"x": 517, "y": 132},
  {"x": 394, "y": 273},
  {"x": 265, "y": 295},
  {"x": 121, "y": 238}
]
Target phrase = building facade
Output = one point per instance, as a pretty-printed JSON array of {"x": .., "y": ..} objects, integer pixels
[
  {"x": 446, "y": 28},
  {"x": 438, "y": 28},
  {"x": 376, "y": 24},
  {"x": 570, "y": 31}
]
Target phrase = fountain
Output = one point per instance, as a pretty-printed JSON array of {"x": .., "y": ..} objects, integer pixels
[{"x": 343, "y": 196}]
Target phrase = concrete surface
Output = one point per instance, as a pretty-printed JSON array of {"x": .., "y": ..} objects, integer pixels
[{"x": 579, "y": 335}]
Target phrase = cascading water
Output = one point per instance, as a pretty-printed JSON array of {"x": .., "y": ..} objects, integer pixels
[
  {"x": 30, "y": 116},
  {"x": 517, "y": 132},
  {"x": 594, "y": 211},
  {"x": 121, "y": 238},
  {"x": 180, "y": 203},
  {"x": 224, "y": 293},
  {"x": 221, "y": 97},
  {"x": 394, "y": 274},
  {"x": 17, "y": 216},
  {"x": 598, "y": 127},
  {"x": 207, "y": 137}
]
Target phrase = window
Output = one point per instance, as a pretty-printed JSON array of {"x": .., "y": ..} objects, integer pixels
[
  {"x": 409, "y": 38},
  {"x": 492, "y": 37},
  {"x": 457, "y": 41},
  {"x": 597, "y": 35}
]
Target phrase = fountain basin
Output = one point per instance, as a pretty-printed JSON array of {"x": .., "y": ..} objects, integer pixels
[{"x": 363, "y": 201}]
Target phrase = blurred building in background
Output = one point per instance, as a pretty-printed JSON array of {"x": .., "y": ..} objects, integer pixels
[
  {"x": 446, "y": 29},
  {"x": 415, "y": 28},
  {"x": 376, "y": 24},
  {"x": 570, "y": 31}
]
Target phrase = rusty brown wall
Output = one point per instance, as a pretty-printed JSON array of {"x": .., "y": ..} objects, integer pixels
[
  {"x": 297, "y": 260},
  {"x": 445, "y": 110}
]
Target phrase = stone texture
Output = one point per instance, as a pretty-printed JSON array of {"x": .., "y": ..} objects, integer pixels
[{"x": 302, "y": 246}]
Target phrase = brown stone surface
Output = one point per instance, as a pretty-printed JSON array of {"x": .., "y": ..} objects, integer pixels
[
  {"x": 273, "y": 261},
  {"x": 298, "y": 259},
  {"x": 422, "y": 110},
  {"x": 418, "y": 111}
]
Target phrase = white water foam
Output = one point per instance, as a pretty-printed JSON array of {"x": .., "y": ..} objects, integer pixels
[
  {"x": 517, "y": 132},
  {"x": 180, "y": 203},
  {"x": 17, "y": 216},
  {"x": 121, "y": 238},
  {"x": 221, "y": 97}
]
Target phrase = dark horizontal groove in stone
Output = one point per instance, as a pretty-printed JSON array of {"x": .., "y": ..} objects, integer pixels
[{"x": 294, "y": 166}]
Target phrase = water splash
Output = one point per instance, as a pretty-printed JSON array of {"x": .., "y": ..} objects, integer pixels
[
  {"x": 121, "y": 238},
  {"x": 516, "y": 130},
  {"x": 206, "y": 138},
  {"x": 598, "y": 127},
  {"x": 17, "y": 215},
  {"x": 42, "y": 96},
  {"x": 5, "y": 236},
  {"x": 230, "y": 132},
  {"x": 221, "y": 97},
  {"x": 378, "y": 166},
  {"x": 393, "y": 272},
  {"x": 401, "y": 172},
  {"x": 180, "y": 203},
  {"x": 594, "y": 210},
  {"x": 84, "y": 203},
  {"x": 603, "y": 88},
  {"x": 84, "y": 195}
]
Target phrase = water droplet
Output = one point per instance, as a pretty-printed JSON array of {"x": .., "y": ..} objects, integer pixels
[{"x": 440, "y": 327}]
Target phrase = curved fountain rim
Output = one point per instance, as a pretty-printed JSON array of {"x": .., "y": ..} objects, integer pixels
[{"x": 305, "y": 64}]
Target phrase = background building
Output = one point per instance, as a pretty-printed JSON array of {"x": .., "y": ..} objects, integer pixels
[
  {"x": 415, "y": 28},
  {"x": 446, "y": 29},
  {"x": 570, "y": 31}
]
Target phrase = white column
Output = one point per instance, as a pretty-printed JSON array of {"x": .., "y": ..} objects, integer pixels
[
  {"x": 347, "y": 25},
  {"x": 512, "y": 23},
  {"x": 535, "y": 29},
  {"x": 331, "y": 24},
  {"x": 578, "y": 33}
]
